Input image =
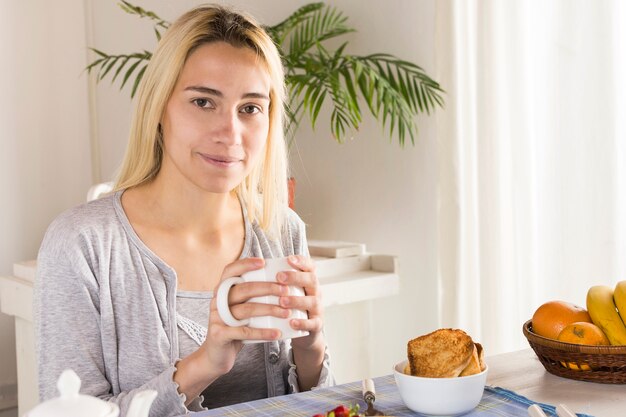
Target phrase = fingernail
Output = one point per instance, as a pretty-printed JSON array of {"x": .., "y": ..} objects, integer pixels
[
  {"x": 294, "y": 259},
  {"x": 284, "y": 301},
  {"x": 295, "y": 323},
  {"x": 281, "y": 277}
]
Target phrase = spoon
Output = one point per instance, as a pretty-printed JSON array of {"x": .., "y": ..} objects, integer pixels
[
  {"x": 563, "y": 411},
  {"x": 536, "y": 411},
  {"x": 369, "y": 395}
]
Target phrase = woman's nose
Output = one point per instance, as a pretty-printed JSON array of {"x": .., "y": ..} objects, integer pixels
[{"x": 228, "y": 128}]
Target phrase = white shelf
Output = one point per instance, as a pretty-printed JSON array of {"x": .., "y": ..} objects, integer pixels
[
  {"x": 16, "y": 297},
  {"x": 357, "y": 278},
  {"x": 26, "y": 270},
  {"x": 335, "y": 249}
]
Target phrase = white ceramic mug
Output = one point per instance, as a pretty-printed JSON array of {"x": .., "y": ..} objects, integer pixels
[{"x": 266, "y": 274}]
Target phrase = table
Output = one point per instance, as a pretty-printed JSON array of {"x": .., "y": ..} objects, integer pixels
[{"x": 520, "y": 372}]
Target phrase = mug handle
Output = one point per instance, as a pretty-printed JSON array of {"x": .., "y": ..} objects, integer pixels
[{"x": 221, "y": 299}]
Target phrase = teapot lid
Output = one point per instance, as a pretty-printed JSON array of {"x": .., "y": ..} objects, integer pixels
[{"x": 73, "y": 404}]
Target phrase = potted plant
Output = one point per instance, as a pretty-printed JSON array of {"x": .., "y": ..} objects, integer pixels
[{"x": 394, "y": 90}]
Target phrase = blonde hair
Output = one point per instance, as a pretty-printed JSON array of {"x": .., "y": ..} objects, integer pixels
[{"x": 264, "y": 190}]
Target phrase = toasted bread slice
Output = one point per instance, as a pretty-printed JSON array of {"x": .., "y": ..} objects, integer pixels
[
  {"x": 481, "y": 356},
  {"x": 443, "y": 353},
  {"x": 407, "y": 369},
  {"x": 473, "y": 367}
]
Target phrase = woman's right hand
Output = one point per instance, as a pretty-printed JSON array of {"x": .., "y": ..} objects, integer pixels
[
  {"x": 217, "y": 354},
  {"x": 224, "y": 342}
]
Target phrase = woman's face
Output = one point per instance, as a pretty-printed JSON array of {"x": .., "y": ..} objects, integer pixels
[{"x": 216, "y": 122}]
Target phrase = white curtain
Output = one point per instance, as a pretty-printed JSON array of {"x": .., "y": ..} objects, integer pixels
[{"x": 532, "y": 150}]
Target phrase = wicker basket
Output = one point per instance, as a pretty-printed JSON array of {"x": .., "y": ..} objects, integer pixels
[{"x": 608, "y": 363}]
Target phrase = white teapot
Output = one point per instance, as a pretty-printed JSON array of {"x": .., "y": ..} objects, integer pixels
[{"x": 73, "y": 404}]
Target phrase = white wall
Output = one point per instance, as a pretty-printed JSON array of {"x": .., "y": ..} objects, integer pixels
[
  {"x": 367, "y": 190},
  {"x": 44, "y": 142}
]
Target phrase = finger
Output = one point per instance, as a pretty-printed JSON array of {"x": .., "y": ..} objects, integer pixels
[
  {"x": 242, "y": 266},
  {"x": 227, "y": 333},
  {"x": 248, "y": 310},
  {"x": 306, "y": 280},
  {"x": 310, "y": 303},
  {"x": 312, "y": 325},
  {"x": 301, "y": 262},
  {"x": 244, "y": 291}
]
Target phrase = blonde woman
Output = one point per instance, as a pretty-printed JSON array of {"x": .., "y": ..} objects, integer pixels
[{"x": 124, "y": 294}]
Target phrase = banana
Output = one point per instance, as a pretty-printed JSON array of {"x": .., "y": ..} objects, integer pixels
[
  {"x": 604, "y": 314},
  {"x": 619, "y": 297}
]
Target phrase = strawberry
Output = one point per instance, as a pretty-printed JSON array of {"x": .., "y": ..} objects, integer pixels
[{"x": 341, "y": 411}]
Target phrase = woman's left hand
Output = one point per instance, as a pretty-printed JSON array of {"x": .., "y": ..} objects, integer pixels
[{"x": 311, "y": 302}]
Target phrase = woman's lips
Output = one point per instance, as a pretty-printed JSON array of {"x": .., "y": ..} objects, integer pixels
[{"x": 221, "y": 161}]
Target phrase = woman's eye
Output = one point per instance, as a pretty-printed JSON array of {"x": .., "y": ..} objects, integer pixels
[
  {"x": 202, "y": 103},
  {"x": 250, "y": 109}
]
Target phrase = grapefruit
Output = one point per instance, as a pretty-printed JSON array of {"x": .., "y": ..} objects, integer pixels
[{"x": 552, "y": 317}]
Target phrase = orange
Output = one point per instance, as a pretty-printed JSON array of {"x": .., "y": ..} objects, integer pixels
[
  {"x": 582, "y": 333},
  {"x": 552, "y": 317}
]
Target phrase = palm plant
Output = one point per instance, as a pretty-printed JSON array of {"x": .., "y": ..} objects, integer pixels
[{"x": 394, "y": 90}]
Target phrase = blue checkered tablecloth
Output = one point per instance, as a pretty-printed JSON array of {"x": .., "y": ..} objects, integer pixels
[{"x": 496, "y": 402}]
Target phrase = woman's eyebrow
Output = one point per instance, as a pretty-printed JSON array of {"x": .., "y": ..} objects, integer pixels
[
  {"x": 218, "y": 93},
  {"x": 205, "y": 90}
]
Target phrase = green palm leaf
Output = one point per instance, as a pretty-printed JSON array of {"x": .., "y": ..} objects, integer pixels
[
  {"x": 394, "y": 91},
  {"x": 281, "y": 30}
]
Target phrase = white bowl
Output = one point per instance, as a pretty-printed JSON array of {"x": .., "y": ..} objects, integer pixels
[{"x": 440, "y": 396}]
